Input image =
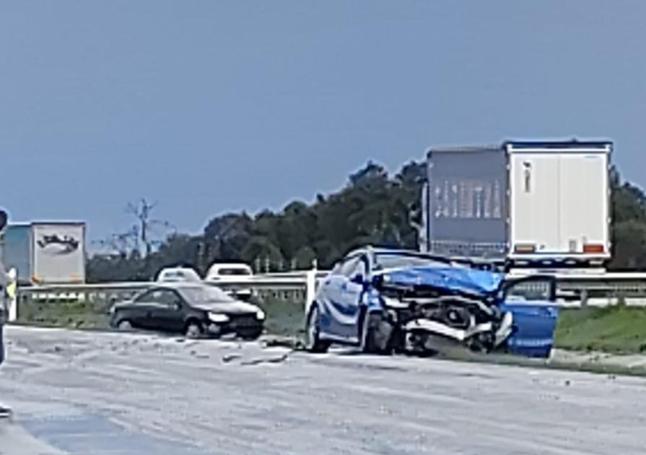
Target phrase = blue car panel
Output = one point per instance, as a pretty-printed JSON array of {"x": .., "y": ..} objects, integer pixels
[
  {"x": 456, "y": 279},
  {"x": 535, "y": 325},
  {"x": 339, "y": 300}
]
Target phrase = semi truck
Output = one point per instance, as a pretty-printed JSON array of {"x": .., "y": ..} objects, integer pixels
[
  {"x": 45, "y": 252},
  {"x": 523, "y": 203}
]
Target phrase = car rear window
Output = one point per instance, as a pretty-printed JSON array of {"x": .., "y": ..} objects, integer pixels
[{"x": 234, "y": 272}]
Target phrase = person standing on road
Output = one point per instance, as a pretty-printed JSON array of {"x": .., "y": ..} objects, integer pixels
[
  {"x": 4, "y": 314},
  {"x": 4, "y": 310}
]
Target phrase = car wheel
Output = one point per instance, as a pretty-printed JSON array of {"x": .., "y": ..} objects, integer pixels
[
  {"x": 252, "y": 335},
  {"x": 124, "y": 325},
  {"x": 313, "y": 342},
  {"x": 194, "y": 330},
  {"x": 371, "y": 341}
]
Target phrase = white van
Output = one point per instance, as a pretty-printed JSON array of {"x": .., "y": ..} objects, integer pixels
[
  {"x": 178, "y": 274},
  {"x": 231, "y": 274}
]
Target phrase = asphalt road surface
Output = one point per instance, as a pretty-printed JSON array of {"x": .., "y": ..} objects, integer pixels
[{"x": 118, "y": 394}]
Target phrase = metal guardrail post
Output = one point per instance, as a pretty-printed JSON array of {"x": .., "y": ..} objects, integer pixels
[
  {"x": 584, "y": 297},
  {"x": 310, "y": 288},
  {"x": 13, "y": 309}
]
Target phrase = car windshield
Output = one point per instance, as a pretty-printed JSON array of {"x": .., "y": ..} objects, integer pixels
[
  {"x": 205, "y": 294},
  {"x": 397, "y": 260}
]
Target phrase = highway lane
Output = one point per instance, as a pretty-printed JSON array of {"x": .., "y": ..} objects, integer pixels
[{"x": 122, "y": 394}]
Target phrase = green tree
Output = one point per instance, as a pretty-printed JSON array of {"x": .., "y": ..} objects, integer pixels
[
  {"x": 304, "y": 258},
  {"x": 261, "y": 249},
  {"x": 629, "y": 225},
  {"x": 226, "y": 236},
  {"x": 372, "y": 208}
]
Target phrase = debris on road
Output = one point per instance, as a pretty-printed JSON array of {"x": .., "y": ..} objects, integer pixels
[
  {"x": 285, "y": 342},
  {"x": 231, "y": 357},
  {"x": 260, "y": 361}
]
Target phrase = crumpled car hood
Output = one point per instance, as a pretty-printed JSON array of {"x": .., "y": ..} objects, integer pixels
[{"x": 453, "y": 279}]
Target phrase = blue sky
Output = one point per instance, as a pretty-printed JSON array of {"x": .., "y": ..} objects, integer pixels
[{"x": 211, "y": 106}]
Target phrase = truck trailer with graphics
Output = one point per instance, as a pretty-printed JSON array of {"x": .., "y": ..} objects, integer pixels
[
  {"x": 524, "y": 203},
  {"x": 45, "y": 252}
]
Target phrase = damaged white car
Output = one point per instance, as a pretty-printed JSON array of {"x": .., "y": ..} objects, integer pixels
[{"x": 390, "y": 300}]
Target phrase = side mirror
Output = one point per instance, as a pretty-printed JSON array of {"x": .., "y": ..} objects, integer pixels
[{"x": 357, "y": 279}]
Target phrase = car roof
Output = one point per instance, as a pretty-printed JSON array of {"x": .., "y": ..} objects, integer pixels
[
  {"x": 475, "y": 263},
  {"x": 232, "y": 265},
  {"x": 384, "y": 250},
  {"x": 177, "y": 269},
  {"x": 179, "y": 285}
]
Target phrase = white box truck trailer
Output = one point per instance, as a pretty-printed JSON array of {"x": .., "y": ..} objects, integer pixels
[
  {"x": 46, "y": 252},
  {"x": 524, "y": 203}
]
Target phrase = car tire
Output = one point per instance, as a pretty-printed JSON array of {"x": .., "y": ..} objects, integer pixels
[
  {"x": 369, "y": 343},
  {"x": 124, "y": 325},
  {"x": 194, "y": 330},
  {"x": 251, "y": 336},
  {"x": 313, "y": 341}
]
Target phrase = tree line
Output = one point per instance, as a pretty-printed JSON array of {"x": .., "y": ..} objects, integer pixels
[{"x": 374, "y": 207}]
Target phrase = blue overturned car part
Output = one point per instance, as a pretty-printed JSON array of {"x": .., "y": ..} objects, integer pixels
[
  {"x": 534, "y": 328},
  {"x": 534, "y": 321},
  {"x": 456, "y": 279}
]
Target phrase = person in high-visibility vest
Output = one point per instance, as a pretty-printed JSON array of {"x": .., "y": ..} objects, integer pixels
[{"x": 12, "y": 288}]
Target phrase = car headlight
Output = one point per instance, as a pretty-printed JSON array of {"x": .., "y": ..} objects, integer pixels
[
  {"x": 260, "y": 315},
  {"x": 218, "y": 318}
]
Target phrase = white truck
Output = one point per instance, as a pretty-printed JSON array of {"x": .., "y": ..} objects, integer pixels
[
  {"x": 525, "y": 203},
  {"x": 45, "y": 252}
]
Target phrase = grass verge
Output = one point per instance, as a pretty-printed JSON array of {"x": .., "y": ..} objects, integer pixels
[
  {"x": 617, "y": 329},
  {"x": 72, "y": 314},
  {"x": 284, "y": 318}
]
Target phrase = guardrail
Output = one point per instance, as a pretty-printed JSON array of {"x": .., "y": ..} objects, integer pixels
[
  {"x": 293, "y": 286},
  {"x": 597, "y": 288},
  {"x": 574, "y": 289}
]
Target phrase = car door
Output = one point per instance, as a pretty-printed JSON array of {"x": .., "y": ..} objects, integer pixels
[
  {"x": 167, "y": 311},
  {"x": 344, "y": 290},
  {"x": 139, "y": 314},
  {"x": 532, "y": 302},
  {"x": 352, "y": 287},
  {"x": 326, "y": 295}
]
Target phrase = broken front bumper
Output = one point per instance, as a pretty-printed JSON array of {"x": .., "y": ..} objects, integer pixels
[{"x": 496, "y": 334}]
